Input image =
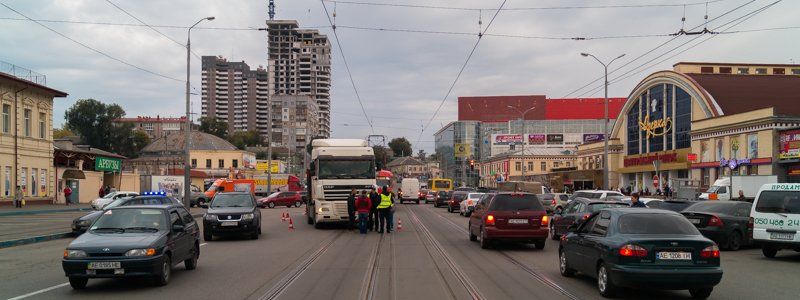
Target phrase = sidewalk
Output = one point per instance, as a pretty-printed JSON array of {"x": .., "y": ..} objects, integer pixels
[{"x": 41, "y": 209}]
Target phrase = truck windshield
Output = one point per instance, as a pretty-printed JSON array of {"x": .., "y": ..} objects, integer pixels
[
  {"x": 346, "y": 169},
  {"x": 716, "y": 189}
]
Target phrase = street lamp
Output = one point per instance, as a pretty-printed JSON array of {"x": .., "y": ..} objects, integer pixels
[
  {"x": 522, "y": 118},
  {"x": 605, "y": 116},
  {"x": 187, "y": 181}
]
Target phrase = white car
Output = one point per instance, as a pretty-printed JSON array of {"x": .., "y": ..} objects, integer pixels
[
  {"x": 596, "y": 194},
  {"x": 99, "y": 203},
  {"x": 775, "y": 218},
  {"x": 466, "y": 206}
]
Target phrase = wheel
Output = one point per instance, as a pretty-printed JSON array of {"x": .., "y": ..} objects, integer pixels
[
  {"x": 734, "y": 241},
  {"x": 297, "y": 204},
  {"x": 563, "y": 266},
  {"x": 701, "y": 293},
  {"x": 539, "y": 244},
  {"x": 417, "y": 202},
  {"x": 289, "y": 205},
  {"x": 254, "y": 234},
  {"x": 604, "y": 285},
  {"x": 271, "y": 204},
  {"x": 472, "y": 237},
  {"x": 769, "y": 252},
  {"x": 78, "y": 283},
  {"x": 468, "y": 213},
  {"x": 162, "y": 278},
  {"x": 553, "y": 235},
  {"x": 317, "y": 225},
  {"x": 191, "y": 263},
  {"x": 207, "y": 236},
  {"x": 485, "y": 243},
  {"x": 309, "y": 220}
]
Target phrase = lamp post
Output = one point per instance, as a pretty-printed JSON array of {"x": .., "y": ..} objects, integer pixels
[
  {"x": 605, "y": 115},
  {"x": 187, "y": 181},
  {"x": 522, "y": 118}
]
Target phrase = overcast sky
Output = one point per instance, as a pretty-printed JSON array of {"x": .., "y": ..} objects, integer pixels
[{"x": 401, "y": 76}]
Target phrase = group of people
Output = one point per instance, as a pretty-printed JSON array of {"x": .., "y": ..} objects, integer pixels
[
  {"x": 104, "y": 191},
  {"x": 375, "y": 211}
]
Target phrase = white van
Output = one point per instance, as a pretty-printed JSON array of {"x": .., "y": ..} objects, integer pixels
[
  {"x": 775, "y": 218},
  {"x": 410, "y": 188}
]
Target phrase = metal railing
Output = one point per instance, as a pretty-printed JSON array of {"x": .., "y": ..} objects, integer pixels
[{"x": 22, "y": 73}]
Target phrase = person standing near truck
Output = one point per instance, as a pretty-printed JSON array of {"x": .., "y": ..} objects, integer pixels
[
  {"x": 363, "y": 207},
  {"x": 374, "y": 199},
  {"x": 385, "y": 211},
  {"x": 351, "y": 209}
]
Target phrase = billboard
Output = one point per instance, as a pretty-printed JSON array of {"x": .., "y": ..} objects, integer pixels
[
  {"x": 506, "y": 139},
  {"x": 536, "y": 139},
  {"x": 790, "y": 144},
  {"x": 573, "y": 138},
  {"x": 592, "y": 137},
  {"x": 462, "y": 150},
  {"x": 555, "y": 138}
]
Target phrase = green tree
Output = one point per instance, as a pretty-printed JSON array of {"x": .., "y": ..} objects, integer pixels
[
  {"x": 60, "y": 133},
  {"x": 93, "y": 121},
  {"x": 382, "y": 156},
  {"x": 421, "y": 155},
  {"x": 242, "y": 139},
  {"x": 401, "y": 147},
  {"x": 214, "y": 126}
]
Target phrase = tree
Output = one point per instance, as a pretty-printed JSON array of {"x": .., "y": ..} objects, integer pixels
[
  {"x": 214, "y": 126},
  {"x": 421, "y": 155},
  {"x": 242, "y": 139},
  {"x": 401, "y": 147},
  {"x": 93, "y": 121},
  {"x": 63, "y": 132},
  {"x": 381, "y": 156}
]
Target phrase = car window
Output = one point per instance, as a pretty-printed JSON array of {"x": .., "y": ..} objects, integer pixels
[
  {"x": 459, "y": 197},
  {"x": 587, "y": 226},
  {"x": 563, "y": 197},
  {"x": 778, "y": 202},
  {"x": 516, "y": 202},
  {"x": 593, "y": 207},
  {"x": 187, "y": 218},
  {"x": 600, "y": 227},
  {"x": 122, "y": 218},
  {"x": 676, "y": 206},
  {"x": 719, "y": 207},
  {"x": 547, "y": 196},
  {"x": 580, "y": 207},
  {"x": 655, "y": 223},
  {"x": 232, "y": 200},
  {"x": 614, "y": 194},
  {"x": 654, "y": 204},
  {"x": 743, "y": 209},
  {"x": 174, "y": 218},
  {"x": 572, "y": 207},
  {"x": 722, "y": 190}
]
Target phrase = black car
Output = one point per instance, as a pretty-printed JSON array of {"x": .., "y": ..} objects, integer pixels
[
  {"x": 442, "y": 197},
  {"x": 577, "y": 211},
  {"x": 134, "y": 241},
  {"x": 232, "y": 213},
  {"x": 725, "y": 222},
  {"x": 80, "y": 224},
  {"x": 641, "y": 248},
  {"x": 454, "y": 204},
  {"x": 673, "y": 205}
]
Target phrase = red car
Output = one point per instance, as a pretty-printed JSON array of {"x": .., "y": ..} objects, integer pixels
[
  {"x": 281, "y": 199},
  {"x": 515, "y": 217}
]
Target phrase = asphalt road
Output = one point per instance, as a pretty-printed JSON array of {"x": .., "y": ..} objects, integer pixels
[{"x": 430, "y": 258}]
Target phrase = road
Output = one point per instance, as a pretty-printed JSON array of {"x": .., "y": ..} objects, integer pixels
[{"x": 430, "y": 258}]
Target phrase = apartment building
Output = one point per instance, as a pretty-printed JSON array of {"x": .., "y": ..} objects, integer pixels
[
  {"x": 155, "y": 127},
  {"x": 294, "y": 121},
  {"x": 234, "y": 93}
]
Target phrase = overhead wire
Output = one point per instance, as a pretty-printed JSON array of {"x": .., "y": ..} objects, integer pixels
[
  {"x": 141, "y": 25},
  {"x": 148, "y": 26},
  {"x": 363, "y": 3}
]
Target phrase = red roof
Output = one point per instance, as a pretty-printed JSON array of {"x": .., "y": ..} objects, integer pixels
[
  {"x": 496, "y": 108},
  {"x": 582, "y": 108}
]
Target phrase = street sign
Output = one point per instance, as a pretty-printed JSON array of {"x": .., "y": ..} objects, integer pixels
[
  {"x": 692, "y": 157},
  {"x": 655, "y": 180},
  {"x": 107, "y": 164}
]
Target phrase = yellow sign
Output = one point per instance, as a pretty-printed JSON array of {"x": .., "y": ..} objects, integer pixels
[
  {"x": 463, "y": 150},
  {"x": 652, "y": 127},
  {"x": 275, "y": 181},
  {"x": 262, "y": 166}
]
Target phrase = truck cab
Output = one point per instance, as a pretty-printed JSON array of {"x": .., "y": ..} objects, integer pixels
[
  {"x": 337, "y": 166},
  {"x": 727, "y": 188}
]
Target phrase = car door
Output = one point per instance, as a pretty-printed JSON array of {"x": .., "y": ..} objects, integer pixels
[
  {"x": 181, "y": 240},
  {"x": 742, "y": 215},
  {"x": 559, "y": 223},
  {"x": 476, "y": 219},
  {"x": 581, "y": 245},
  {"x": 191, "y": 227},
  {"x": 595, "y": 241},
  {"x": 571, "y": 217}
]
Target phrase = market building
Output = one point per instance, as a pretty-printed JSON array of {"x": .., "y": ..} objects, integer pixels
[
  {"x": 538, "y": 163},
  {"x": 656, "y": 127}
]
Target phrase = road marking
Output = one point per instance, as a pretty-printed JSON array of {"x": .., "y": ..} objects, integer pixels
[
  {"x": 40, "y": 291},
  {"x": 203, "y": 244}
]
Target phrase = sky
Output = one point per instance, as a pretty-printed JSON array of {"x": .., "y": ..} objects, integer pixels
[{"x": 401, "y": 77}]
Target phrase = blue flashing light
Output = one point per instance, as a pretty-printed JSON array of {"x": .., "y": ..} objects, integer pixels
[{"x": 154, "y": 194}]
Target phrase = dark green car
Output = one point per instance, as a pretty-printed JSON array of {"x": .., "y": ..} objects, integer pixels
[{"x": 641, "y": 248}]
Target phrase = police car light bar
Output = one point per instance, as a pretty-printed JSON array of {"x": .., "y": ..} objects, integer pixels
[{"x": 154, "y": 194}]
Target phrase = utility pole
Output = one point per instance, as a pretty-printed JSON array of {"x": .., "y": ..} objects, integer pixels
[
  {"x": 522, "y": 118},
  {"x": 187, "y": 167}
]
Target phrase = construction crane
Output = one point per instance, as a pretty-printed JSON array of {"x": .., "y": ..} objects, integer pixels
[{"x": 271, "y": 9}]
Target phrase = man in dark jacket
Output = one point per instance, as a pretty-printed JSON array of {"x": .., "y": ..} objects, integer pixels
[
  {"x": 635, "y": 201},
  {"x": 351, "y": 209},
  {"x": 373, "y": 212}
]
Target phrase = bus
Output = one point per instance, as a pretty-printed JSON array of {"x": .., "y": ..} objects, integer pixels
[
  {"x": 440, "y": 184},
  {"x": 385, "y": 178}
]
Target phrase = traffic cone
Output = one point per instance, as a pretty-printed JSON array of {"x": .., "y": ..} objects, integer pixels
[
  {"x": 284, "y": 217},
  {"x": 399, "y": 225},
  {"x": 291, "y": 224}
]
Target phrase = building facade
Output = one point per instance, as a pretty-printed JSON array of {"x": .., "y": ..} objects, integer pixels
[
  {"x": 235, "y": 94},
  {"x": 408, "y": 167},
  {"x": 294, "y": 121},
  {"x": 155, "y": 127},
  {"x": 26, "y": 139},
  {"x": 300, "y": 64},
  {"x": 537, "y": 163}
]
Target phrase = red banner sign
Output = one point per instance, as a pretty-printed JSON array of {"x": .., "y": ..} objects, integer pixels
[{"x": 649, "y": 159}]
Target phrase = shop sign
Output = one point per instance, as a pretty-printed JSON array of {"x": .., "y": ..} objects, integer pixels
[
  {"x": 555, "y": 138},
  {"x": 692, "y": 157},
  {"x": 733, "y": 163},
  {"x": 790, "y": 144},
  {"x": 592, "y": 137},
  {"x": 649, "y": 159},
  {"x": 462, "y": 150},
  {"x": 505, "y": 139},
  {"x": 658, "y": 127},
  {"x": 536, "y": 139},
  {"x": 107, "y": 164}
]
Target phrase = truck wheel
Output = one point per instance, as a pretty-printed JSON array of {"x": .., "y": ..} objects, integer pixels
[
  {"x": 417, "y": 201},
  {"x": 309, "y": 220},
  {"x": 769, "y": 252}
]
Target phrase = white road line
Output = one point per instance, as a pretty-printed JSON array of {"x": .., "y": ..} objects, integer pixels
[
  {"x": 203, "y": 244},
  {"x": 40, "y": 291}
]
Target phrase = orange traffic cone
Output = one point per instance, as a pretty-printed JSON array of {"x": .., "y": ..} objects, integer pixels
[
  {"x": 284, "y": 217},
  {"x": 399, "y": 225},
  {"x": 291, "y": 225}
]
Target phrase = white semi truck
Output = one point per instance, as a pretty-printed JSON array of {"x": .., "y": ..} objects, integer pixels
[{"x": 337, "y": 166}]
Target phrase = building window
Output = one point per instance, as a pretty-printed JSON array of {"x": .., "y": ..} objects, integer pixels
[
  {"x": 706, "y": 69},
  {"x": 556, "y": 164},
  {"x": 518, "y": 166},
  {"x": 235, "y": 163},
  {"x": 724, "y": 70},
  {"x": 795, "y": 71},
  {"x": 6, "y": 118},
  {"x": 208, "y": 164},
  {"x": 42, "y": 125},
  {"x": 27, "y": 125},
  {"x": 194, "y": 163},
  {"x": 543, "y": 166},
  {"x": 778, "y": 71},
  {"x": 742, "y": 71},
  {"x": 752, "y": 170},
  {"x": 633, "y": 128},
  {"x": 530, "y": 166},
  {"x": 705, "y": 173},
  {"x": 761, "y": 71},
  {"x": 221, "y": 163}
]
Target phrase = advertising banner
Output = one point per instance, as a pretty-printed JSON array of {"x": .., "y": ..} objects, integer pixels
[
  {"x": 505, "y": 139},
  {"x": 573, "y": 139},
  {"x": 536, "y": 139},
  {"x": 107, "y": 164},
  {"x": 555, "y": 139},
  {"x": 790, "y": 144},
  {"x": 462, "y": 150},
  {"x": 592, "y": 137}
]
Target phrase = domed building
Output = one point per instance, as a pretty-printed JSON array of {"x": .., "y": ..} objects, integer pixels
[{"x": 210, "y": 156}]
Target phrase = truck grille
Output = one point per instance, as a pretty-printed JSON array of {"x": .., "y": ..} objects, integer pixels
[
  {"x": 341, "y": 192},
  {"x": 229, "y": 217},
  {"x": 340, "y": 208}
]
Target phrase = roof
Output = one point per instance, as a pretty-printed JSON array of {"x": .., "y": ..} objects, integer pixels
[
  {"x": 590, "y": 108},
  {"x": 62, "y": 144},
  {"x": 406, "y": 160},
  {"x": 156, "y": 119},
  {"x": 538, "y": 152},
  {"x": 54, "y": 92},
  {"x": 496, "y": 108},
  {"x": 741, "y": 93},
  {"x": 733, "y": 64},
  {"x": 200, "y": 141},
  {"x": 339, "y": 143}
]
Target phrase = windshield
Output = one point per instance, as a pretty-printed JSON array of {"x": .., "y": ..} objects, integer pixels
[
  {"x": 273, "y": 195},
  {"x": 779, "y": 202},
  {"x": 593, "y": 207},
  {"x": 506, "y": 202},
  {"x": 110, "y": 195},
  {"x": 655, "y": 224},
  {"x": 459, "y": 197},
  {"x": 441, "y": 184},
  {"x": 115, "y": 203},
  {"x": 212, "y": 188},
  {"x": 716, "y": 189},
  {"x": 713, "y": 207},
  {"x": 475, "y": 196},
  {"x": 232, "y": 200},
  {"x": 137, "y": 218},
  {"x": 346, "y": 169},
  {"x": 676, "y": 206}
]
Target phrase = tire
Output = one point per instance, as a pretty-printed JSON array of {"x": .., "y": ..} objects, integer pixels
[
  {"x": 472, "y": 237},
  {"x": 468, "y": 214},
  {"x": 769, "y": 252},
  {"x": 309, "y": 220},
  {"x": 485, "y": 243},
  {"x": 289, "y": 205},
  {"x": 78, "y": 283},
  {"x": 254, "y": 234},
  {"x": 701, "y": 293},
  {"x": 540, "y": 244},
  {"x": 163, "y": 276},
  {"x": 553, "y": 235},
  {"x": 417, "y": 202},
  {"x": 191, "y": 263},
  {"x": 271, "y": 204},
  {"x": 317, "y": 225},
  {"x": 604, "y": 285},
  {"x": 207, "y": 236},
  {"x": 734, "y": 241},
  {"x": 563, "y": 265},
  {"x": 297, "y": 204}
]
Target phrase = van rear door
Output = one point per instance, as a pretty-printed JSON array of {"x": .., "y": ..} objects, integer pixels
[{"x": 776, "y": 213}]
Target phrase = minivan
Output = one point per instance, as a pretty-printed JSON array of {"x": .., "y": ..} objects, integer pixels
[{"x": 775, "y": 218}]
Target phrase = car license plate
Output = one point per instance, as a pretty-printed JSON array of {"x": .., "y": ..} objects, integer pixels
[
  {"x": 674, "y": 255},
  {"x": 781, "y": 236},
  {"x": 104, "y": 265},
  {"x": 695, "y": 221},
  {"x": 518, "y": 221},
  {"x": 230, "y": 223}
]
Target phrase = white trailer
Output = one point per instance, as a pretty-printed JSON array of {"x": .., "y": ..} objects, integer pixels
[{"x": 727, "y": 188}]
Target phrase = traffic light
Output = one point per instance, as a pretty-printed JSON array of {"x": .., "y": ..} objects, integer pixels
[{"x": 472, "y": 164}]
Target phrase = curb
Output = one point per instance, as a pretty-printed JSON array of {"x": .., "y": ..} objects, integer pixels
[
  {"x": 35, "y": 239},
  {"x": 37, "y": 212}
]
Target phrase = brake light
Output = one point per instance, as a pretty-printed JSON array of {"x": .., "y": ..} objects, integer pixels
[
  {"x": 490, "y": 220},
  {"x": 553, "y": 203},
  {"x": 586, "y": 216},
  {"x": 750, "y": 223},
  {"x": 710, "y": 252},
  {"x": 715, "y": 222},
  {"x": 630, "y": 250},
  {"x": 545, "y": 220}
]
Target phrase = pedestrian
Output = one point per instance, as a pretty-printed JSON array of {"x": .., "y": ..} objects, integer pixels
[
  {"x": 351, "y": 209},
  {"x": 67, "y": 194},
  {"x": 668, "y": 192},
  {"x": 107, "y": 190},
  {"x": 741, "y": 196},
  {"x": 18, "y": 197},
  {"x": 374, "y": 200},
  {"x": 385, "y": 211},
  {"x": 363, "y": 207},
  {"x": 635, "y": 201},
  {"x": 102, "y": 192}
]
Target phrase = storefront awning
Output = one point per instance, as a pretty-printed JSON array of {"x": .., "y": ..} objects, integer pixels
[{"x": 73, "y": 174}]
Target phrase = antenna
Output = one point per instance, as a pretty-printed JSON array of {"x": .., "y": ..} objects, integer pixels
[{"x": 271, "y": 9}]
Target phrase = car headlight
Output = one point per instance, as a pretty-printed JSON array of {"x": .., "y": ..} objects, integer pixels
[
  {"x": 324, "y": 209},
  {"x": 141, "y": 252},
  {"x": 247, "y": 217},
  {"x": 208, "y": 217},
  {"x": 74, "y": 253}
]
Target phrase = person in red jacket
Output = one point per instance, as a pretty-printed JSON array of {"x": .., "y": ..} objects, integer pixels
[{"x": 363, "y": 206}]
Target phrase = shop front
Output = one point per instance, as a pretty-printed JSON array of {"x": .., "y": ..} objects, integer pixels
[{"x": 789, "y": 154}]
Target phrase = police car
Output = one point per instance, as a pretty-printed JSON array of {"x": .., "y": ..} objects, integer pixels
[{"x": 775, "y": 218}]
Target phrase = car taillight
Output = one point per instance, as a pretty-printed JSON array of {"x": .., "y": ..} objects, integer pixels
[
  {"x": 715, "y": 222},
  {"x": 586, "y": 216},
  {"x": 489, "y": 220},
  {"x": 632, "y": 251},
  {"x": 545, "y": 220},
  {"x": 553, "y": 203},
  {"x": 710, "y": 252},
  {"x": 750, "y": 223}
]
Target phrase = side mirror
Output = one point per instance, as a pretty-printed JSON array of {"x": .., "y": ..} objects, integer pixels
[
  {"x": 572, "y": 228},
  {"x": 177, "y": 228}
]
